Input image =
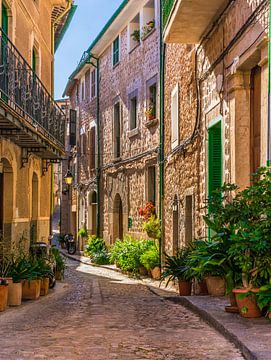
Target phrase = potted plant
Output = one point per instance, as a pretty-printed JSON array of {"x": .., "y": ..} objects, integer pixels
[
  {"x": 263, "y": 298},
  {"x": 31, "y": 282},
  {"x": 147, "y": 28},
  {"x": 151, "y": 261},
  {"x": 150, "y": 112},
  {"x": 46, "y": 273},
  {"x": 59, "y": 264},
  {"x": 136, "y": 35},
  {"x": 3, "y": 294},
  {"x": 152, "y": 227},
  {"x": 177, "y": 268}
]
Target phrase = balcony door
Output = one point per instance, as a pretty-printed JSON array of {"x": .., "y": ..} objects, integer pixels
[{"x": 34, "y": 219}]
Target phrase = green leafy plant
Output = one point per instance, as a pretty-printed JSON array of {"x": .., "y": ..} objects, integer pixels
[
  {"x": 150, "y": 259},
  {"x": 177, "y": 267},
  {"x": 59, "y": 261},
  {"x": 126, "y": 254},
  {"x": 152, "y": 227},
  {"x": 83, "y": 232},
  {"x": 94, "y": 245},
  {"x": 136, "y": 35},
  {"x": 264, "y": 299},
  {"x": 101, "y": 257}
]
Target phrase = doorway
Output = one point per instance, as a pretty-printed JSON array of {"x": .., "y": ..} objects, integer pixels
[
  {"x": 117, "y": 218},
  {"x": 34, "y": 218},
  {"x": 175, "y": 234},
  {"x": 92, "y": 213}
]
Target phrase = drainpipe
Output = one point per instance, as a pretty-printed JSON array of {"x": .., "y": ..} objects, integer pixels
[
  {"x": 161, "y": 146},
  {"x": 98, "y": 171},
  {"x": 269, "y": 93}
]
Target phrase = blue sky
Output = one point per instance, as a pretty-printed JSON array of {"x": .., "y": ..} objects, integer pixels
[{"x": 89, "y": 19}]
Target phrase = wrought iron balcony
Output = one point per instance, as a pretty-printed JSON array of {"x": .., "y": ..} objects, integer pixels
[{"x": 35, "y": 118}]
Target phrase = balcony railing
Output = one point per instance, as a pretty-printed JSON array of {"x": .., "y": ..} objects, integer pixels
[
  {"x": 23, "y": 91},
  {"x": 167, "y": 6}
]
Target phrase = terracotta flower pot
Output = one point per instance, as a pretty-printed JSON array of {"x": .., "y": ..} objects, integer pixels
[
  {"x": 31, "y": 289},
  {"x": 216, "y": 285},
  {"x": 202, "y": 285},
  {"x": 156, "y": 273},
  {"x": 185, "y": 288},
  {"x": 44, "y": 287},
  {"x": 247, "y": 306},
  {"x": 15, "y": 294},
  {"x": 143, "y": 271},
  {"x": 3, "y": 297}
]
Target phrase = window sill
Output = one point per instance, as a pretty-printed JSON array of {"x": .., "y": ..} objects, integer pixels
[
  {"x": 133, "y": 133},
  {"x": 135, "y": 47},
  {"x": 151, "y": 123},
  {"x": 116, "y": 160},
  {"x": 116, "y": 65},
  {"x": 149, "y": 34}
]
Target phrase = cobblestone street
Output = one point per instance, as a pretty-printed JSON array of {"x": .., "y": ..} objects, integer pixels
[{"x": 98, "y": 314}]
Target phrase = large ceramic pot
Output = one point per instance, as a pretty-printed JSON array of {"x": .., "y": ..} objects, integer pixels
[
  {"x": 156, "y": 273},
  {"x": 247, "y": 305},
  {"x": 44, "y": 287},
  {"x": 3, "y": 297},
  {"x": 216, "y": 285},
  {"x": 31, "y": 289},
  {"x": 185, "y": 288},
  {"x": 15, "y": 294}
]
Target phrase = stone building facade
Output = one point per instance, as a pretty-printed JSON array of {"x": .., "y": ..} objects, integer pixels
[
  {"x": 31, "y": 124},
  {"x": 126, "y": 54},
  {"x": 229, "y": 67}
]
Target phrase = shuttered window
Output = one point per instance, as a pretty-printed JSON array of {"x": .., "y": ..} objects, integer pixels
[
  {"x": 92, "y": 147},
  {"x": 116, "y": 52},
  {"x": 174, "y": 118},
  {"x": 72, "y": 127},
  {"x": 5, "y": 19},
  {"x": 214, "y": 158}
]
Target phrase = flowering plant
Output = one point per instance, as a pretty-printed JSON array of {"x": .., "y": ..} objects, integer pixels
[
  {"x": 147, "y": 211},
  {"x": 150, "y": 112}
]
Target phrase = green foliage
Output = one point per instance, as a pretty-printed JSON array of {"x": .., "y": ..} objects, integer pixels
[
  {"x": 59, "y": 261},
  {"x": 101, "y": 257},
  {"x": 136, "y": 35},
  {"x": 127, "y": 253},
  {"x": 83, "y": 232},
  {"x": 152, "y": 227},
  {"x": 150, "y": 259},
  {"x": 264, "y": 299},
  {"x": 177, "y": 267},
  {"x": 94, "y": 245}
]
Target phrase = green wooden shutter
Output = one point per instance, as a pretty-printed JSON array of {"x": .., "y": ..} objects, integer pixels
[
  {"x": 34, "y": 61},
  {"x": 214, "y": 158},
  {"x": 5, "y": 19}
]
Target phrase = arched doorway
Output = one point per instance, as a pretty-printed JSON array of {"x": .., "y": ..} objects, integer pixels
[
  {"x": 35, "y": 211},
  {"x": 6, "y": 206},
  {"x": 117, "y": 218},
  {"x": 92, "y": 213},
  {"x": 175, "y": 227}
]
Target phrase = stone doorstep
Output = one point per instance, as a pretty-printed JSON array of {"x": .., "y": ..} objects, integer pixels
[{"x": 251, "y": 336}]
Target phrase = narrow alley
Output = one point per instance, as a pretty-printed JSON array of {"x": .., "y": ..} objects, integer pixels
[{"x": 98, "y": 314}]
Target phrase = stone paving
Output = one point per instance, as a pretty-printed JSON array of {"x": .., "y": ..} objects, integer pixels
[{"x": 98, "y": 314}]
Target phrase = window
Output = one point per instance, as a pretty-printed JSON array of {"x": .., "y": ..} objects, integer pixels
[
  {"x": 92, "y": 147},
  {"x": 82, "y": 90},
  {"x": 73, "y": 123},
  {"x": 116, "y": 130},
  {"x": 116, "y": 51},
  {"x": 4, "y": 19},
  {"x": 93, "y": 84},
  {"x": 151, "y": 184},
  {"x": 148, "y": 18},
  {"x": 188, "y": 219},
  {"x": 34, "y": 61},
  {"x": 133, "y": 110},
  {"x": 214, "y": 158},
  {"x": 151, "y": 110},
  {"x": 175, "y": 117},
  {"x": 134, "y": 33}
]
